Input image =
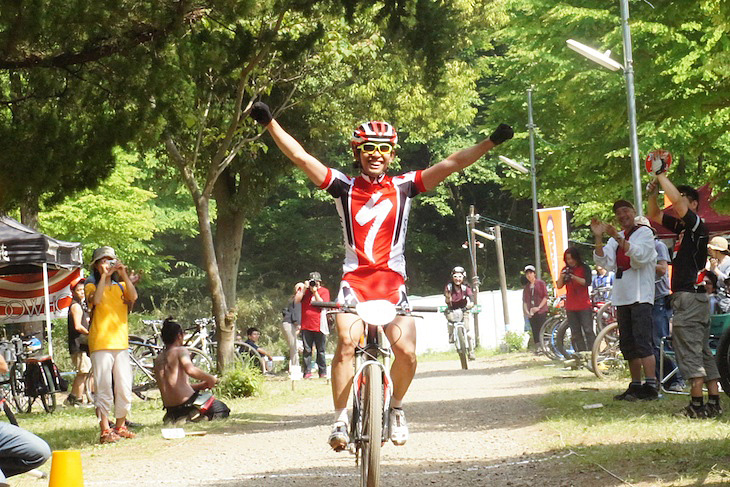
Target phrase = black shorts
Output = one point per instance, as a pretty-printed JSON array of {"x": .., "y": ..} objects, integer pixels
[
  {"x": 186, "y": 411},
  {"x": 636, "y": 330}
]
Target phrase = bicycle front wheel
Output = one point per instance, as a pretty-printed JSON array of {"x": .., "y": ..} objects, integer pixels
[
  {"x": 608, "y": 361},
  {"x": 547, "y": 333},
  {"x": 17, "y": 385},
  {"x": 461, "y": 347},
  {"x": 372, "y": 409}
]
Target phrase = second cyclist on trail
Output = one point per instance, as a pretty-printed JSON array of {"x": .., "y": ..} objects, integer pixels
[
  {"x": 459, "y": 296},
  {"x": 373, "y": 209}
]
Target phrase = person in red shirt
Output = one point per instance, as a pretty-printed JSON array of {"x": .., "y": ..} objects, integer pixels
[
  {"x": 311, "y": 329},
  {"x": 373, "y": 209},
  {"x": 575, "y": 277}
]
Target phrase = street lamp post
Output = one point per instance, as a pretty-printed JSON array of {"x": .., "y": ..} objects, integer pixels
[
  {"x": 628, "y": 68},
  {"x": 522, "y": 169},
  {"x": 533, "y": 172}
]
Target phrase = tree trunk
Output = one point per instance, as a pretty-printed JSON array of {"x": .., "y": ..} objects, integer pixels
[
  {"x": 228, "y": 235},
  {"x": 224, "y": 318},
  {"x": 29, "y": 210}
]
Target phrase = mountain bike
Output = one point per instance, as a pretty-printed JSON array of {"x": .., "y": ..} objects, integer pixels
[
  {"x": 372, "y": 387},
  {"x": 455, "y": 317}
]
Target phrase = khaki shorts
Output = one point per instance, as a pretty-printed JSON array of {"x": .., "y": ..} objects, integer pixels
[
  {"x": 81, "y": 362},
  {"x": 691, "y": 336}
]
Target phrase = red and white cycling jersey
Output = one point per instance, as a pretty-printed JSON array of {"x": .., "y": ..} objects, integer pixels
[{"x": 374, "y": 217}]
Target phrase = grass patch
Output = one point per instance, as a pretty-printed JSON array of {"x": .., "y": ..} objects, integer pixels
[
  {"x": 77, "y": 428},
  {"x": 643, "y": 443}
]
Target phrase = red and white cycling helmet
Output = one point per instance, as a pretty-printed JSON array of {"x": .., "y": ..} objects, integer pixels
[{"x": 374, "y": 131}]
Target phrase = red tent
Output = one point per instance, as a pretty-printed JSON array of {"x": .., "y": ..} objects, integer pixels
[{"x": 716, "y": 224}]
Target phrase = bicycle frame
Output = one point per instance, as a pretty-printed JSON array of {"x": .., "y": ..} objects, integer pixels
[
  {"x": 367, "y": 355},
  {"x": 372, "y": 351}
]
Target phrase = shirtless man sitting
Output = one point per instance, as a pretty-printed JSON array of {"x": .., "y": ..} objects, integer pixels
[{"x": 173, "y": 369}]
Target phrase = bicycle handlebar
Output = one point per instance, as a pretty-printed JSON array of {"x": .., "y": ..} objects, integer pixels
[{"x": 400, "y": 309}]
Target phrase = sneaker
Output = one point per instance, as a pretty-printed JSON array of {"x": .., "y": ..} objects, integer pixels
[
  {"x": 108, "y": 436},
  {"x": 71, "y": 401},
  {"x": 123, "y": 432},
  {"x": 677, "y": 386},
  {"x": 398, "y": 427},
  {"x": 693, "y": 413},
  {"x": 339, "y": 439},
  {"x": 472, "y": 356},
  {"x": 322, "y": 376},
  {"x": 647, "y": 393},
  {"x": 308, "y": 375},
  {"x": 713, "y": 410},
  {"x": 630, "y": 394}
]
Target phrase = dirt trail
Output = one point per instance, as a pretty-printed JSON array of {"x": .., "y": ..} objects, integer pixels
[{"x": 475, "y": 427}]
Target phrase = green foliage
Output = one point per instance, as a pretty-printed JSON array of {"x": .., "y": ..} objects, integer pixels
[
  {"x": 513, "y": 342},
  {"x": 240, "y": 381},
  {"x": 119, "y": 213},
  {"x": 681, "y": 87}
]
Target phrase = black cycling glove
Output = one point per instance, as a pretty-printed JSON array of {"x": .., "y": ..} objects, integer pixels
[
  {"x": 503, "y": 132},
  {"x": 261, "y": 112}
]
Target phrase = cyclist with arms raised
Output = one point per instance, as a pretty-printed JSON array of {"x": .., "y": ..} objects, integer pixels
[{"x": 373, "y": 209}]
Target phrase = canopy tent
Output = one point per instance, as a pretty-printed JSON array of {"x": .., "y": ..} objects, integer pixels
[
  {"x": 35, "y": 273},
  {"x": 716, "y": 224}
]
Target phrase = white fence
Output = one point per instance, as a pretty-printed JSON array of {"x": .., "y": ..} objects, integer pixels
[{"x": 432, "y": 332}]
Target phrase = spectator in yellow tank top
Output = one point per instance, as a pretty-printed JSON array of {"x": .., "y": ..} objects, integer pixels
[{"x": 109, "y": 292}]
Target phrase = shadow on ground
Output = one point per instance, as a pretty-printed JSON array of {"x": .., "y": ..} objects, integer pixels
[{"x": 553, "y": 468}]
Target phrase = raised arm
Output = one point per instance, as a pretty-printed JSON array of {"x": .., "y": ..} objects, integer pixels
[
  {"x": 654, "y": 213},
  {"x": 464, "y": 158},
  {"x": 315, "y": 170},
  {"x": 678, "y": 203}
]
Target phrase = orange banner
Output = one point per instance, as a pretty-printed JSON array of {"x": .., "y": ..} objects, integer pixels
[{"x": 554, "y": 227}]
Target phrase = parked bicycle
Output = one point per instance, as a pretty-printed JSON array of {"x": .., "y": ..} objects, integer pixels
[
  {"x": 33, "y": 376},
  {"x": 372, "y": 387},
  {"x": 197, "y": 337},
  {"x": 143, "y": 376}
]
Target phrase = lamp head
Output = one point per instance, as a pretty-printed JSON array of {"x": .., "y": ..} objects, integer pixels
[
  {"x": 602, "y": 58},
  {"x": 514, "y": 165}
]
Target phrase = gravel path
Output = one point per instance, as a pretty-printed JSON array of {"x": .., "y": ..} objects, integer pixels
[{"x": 475, "y": 427}]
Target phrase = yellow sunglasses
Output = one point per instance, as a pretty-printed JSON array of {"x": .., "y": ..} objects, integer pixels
[{"x": 370, "y": 148}]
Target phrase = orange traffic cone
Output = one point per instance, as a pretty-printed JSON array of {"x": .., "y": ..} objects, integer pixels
[{"x": 66, "y": 469}]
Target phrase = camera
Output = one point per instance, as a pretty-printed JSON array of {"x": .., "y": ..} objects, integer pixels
[
  {"x": 567, "y": 276},
  {"x": 112, "y": 262},
  {"x": 312, "y": 283}
]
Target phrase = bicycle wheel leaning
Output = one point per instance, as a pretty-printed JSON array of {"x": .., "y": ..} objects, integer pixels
[
  {"x": 608, "y": 361},
  {"x": 372, "y": 423},
  {"x": 606, "y": 315},
  {"x": 546, "y": 337},
  {"x": 460, "y": 341}
]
